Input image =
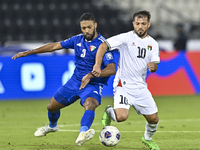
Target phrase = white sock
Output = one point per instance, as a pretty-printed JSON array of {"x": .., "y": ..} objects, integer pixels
[
  {"x": 111, "y": 113},
  {"x": 150, "y": 129}
]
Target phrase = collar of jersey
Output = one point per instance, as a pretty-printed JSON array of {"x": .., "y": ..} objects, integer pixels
[
  {"x": 95, "y": 38},
  {"x": 138, "y": 36}
]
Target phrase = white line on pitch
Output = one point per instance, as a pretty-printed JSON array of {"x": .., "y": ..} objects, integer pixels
[
  {"x": 138, "y": 131},
  {"x": 175, "y": 120},
  {"x": 72, "y": 125}
]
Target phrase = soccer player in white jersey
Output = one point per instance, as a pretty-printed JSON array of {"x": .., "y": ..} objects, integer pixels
[{"x": 138, "y": 52}]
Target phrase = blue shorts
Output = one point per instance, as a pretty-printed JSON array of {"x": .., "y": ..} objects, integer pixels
[{"x": 69, "y": 93}]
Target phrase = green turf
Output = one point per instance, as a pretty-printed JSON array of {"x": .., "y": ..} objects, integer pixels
[{"x": 179, "y": 127}]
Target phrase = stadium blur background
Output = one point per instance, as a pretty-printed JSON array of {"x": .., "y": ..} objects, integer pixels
[{"x": 28, "y": 24}]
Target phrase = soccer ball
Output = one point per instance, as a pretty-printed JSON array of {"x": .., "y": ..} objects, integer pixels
[{"x": 109, "y": 136}]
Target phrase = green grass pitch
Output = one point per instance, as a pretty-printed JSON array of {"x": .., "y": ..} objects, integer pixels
[{"x": 179, "y": 126}]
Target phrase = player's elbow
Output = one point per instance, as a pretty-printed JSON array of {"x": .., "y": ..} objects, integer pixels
[
  {"x": 55, "y": 46},
  {"x": 152, "y": 71}
]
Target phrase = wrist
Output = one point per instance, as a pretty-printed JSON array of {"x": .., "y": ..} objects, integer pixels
[
  {"x": 97, "y": 64},
  {"x": 91, "y": 75},
  {"x": 28, "y": 52}
]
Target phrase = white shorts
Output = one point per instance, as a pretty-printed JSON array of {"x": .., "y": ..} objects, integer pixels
[{"x": 140, "y": 99}]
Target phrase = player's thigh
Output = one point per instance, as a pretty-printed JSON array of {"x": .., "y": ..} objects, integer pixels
[
  {"x": 66, "y": 96},
  {"x": 121, "y": 99},
  {"x": 121, "y": 104},
  {"x": 144, "y": 104},
  {"x": 91, "y": 93}
]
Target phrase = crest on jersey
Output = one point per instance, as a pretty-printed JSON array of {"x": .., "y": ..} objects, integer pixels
[
  {"x": 92, "y": 48},
  {"x": 149, "y": 47},
  {"x": 109, "y": 56}
]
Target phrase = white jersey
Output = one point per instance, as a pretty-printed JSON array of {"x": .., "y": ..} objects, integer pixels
[{"x": 135, "y": 53}]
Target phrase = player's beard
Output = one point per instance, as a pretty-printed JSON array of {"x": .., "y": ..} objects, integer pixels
[
  {"x": 141, "y": 34},
  {"x": 89, "y": 38}
]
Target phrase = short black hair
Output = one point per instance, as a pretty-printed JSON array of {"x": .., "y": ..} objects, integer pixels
[
  {"x": 142, "y": 13},
  {"x": 87, "y": 16}
]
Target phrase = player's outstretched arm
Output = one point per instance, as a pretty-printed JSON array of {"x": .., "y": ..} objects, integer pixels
[
  {"x": 99, "y": 57},
  {"x": 43, "y": 49},
  {"x": 152, "y": 66}
]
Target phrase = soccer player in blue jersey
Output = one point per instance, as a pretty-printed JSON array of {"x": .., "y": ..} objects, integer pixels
[{"x": 82, "y": 85}]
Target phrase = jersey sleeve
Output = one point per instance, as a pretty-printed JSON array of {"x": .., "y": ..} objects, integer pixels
[
  {"x": 116, "y": 41},
  {"x": 108, "y": 58},
  {"x": 155, "y": 55},
  {"x": 68, "y": 43}
]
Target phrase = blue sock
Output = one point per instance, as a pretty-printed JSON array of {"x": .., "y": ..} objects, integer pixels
[
  {"x": 53, "y": 118},
  {"x": 87, "y": 120}
]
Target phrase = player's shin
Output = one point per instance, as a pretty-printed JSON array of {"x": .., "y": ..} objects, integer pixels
[
  {"x": 53, "y": 118},
  {"x": 150, "y": 129},
  {"x": 87, "y": 120}
]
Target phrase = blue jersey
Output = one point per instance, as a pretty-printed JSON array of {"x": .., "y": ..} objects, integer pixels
[{"x": 85, "y": 53}]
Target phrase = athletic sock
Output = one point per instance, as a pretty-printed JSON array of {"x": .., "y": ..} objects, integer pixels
[
  {"x": 111, "y": 113},
  {"x": 150, "y": 129},
  {"x": 87, "y": 120},
  {"x": 53, "y": 118}
]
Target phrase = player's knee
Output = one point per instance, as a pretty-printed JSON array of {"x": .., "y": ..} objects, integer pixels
[
  {"x": 121, "y": 117},
  {"x": 121, "y": 114},
  {"x": 154, "y": 120},
  {"x": 91, "y": 104},
  {"x": 51, "y": 109}
]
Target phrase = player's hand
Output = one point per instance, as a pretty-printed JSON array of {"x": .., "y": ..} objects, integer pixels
[
  {"x": 85, "y": 80},
  {"x": 20, "y": 54},
  {"x": 96, "y": 70},
  {"x": 152, "y": 66}
]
